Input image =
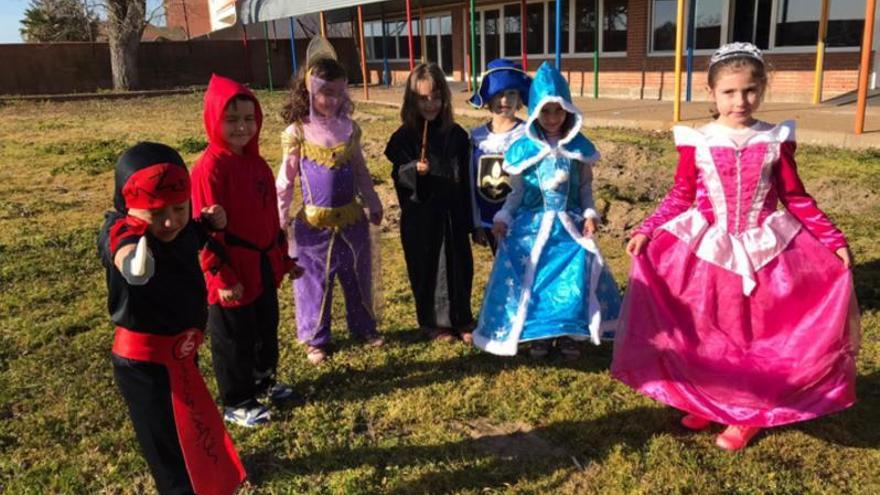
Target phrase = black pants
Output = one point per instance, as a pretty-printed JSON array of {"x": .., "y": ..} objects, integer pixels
[
  {"x": 146, "y": 389},
  {"x": 244, "y": 347},
  {"x": 437, "y": 250}
]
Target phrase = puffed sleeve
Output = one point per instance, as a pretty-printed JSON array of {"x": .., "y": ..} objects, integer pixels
[{"x": 679, "y": 198}]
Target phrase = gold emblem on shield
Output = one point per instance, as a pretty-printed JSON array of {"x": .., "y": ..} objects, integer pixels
[{"x": 493, "y": 183}]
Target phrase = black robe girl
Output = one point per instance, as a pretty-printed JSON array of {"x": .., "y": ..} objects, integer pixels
[{"x": 435, "y": 223}]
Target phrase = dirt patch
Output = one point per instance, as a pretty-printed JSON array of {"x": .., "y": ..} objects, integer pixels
[
  {"x": 391, "y": 217},
  {"x": 359, "y": 116},
  {"x": 509, "y": 440},
  {"x": 843, "y": 196}
]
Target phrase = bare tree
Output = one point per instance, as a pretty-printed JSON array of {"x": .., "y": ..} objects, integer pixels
[{"x": 126, "y": 20}]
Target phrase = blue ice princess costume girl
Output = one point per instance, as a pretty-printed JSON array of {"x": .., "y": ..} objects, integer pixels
[{"x": 548, "y": 280}]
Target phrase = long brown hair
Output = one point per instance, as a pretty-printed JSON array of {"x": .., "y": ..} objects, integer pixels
[
  {"x": 757, "y": 68},
  {"x": 296, "y": 106},
  {"x": 409, "y": 112}
]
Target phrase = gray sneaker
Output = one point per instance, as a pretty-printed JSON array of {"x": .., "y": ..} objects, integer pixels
[{"x": 281, "y": 393}]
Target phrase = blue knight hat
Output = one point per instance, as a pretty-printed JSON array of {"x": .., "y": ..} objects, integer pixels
[
  {"x": 502, "y": 74},
  {"x": 549, "y": 86}
]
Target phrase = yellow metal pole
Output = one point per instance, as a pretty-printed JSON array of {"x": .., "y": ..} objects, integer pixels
[
  {"x": 679, "y": 48},
  {"x": 820, "y": 53},
  {"x": 865, "y": 65},
  {"x": 323, "y": 24}
]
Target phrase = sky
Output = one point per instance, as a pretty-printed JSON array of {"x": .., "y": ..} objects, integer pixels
[{"x": 11, "y": 12}]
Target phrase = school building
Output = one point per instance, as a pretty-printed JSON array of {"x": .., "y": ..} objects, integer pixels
[
  {"x": 633, "y": 46},
  {"x": 609, "y": 48}
]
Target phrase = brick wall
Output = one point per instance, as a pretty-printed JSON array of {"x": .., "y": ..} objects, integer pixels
[{"x": 190, "y": 15}]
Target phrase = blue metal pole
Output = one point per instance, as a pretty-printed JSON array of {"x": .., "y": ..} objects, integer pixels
[
  {"x": 559, "y": 34},
  {"x": 386, "y": 71},
  {"x": 293, "y": 46},
  {"x": 691, "y": 41}
]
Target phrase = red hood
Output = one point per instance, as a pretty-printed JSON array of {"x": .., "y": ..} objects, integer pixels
[{"x": 220, "y": 91}]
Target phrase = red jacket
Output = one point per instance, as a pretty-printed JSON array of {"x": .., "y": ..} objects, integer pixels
[{"x": 245, "y": 187}]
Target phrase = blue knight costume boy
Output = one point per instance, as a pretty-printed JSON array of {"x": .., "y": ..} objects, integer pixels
[
  {"x": 490, "y": 184},
  {"x": 548, "y": 280}
]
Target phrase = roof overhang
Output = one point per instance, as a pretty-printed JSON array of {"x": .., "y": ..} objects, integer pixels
[{"x": 253, "y": 11}]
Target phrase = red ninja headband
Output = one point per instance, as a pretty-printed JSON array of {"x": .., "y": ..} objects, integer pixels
[{"x": 157, "y": 186}]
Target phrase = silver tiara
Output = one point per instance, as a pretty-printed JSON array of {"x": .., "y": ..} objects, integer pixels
[{"x": 736, "y": 49}]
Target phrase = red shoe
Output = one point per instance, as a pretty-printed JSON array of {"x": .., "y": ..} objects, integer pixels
[
  {"x": 694, "y": 422},
  {"x": 736, "y": 437}
]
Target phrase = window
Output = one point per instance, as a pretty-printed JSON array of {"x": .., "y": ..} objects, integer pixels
[
  {"x": 394, "y": 38},
  {"x": 446, "y": 43},
  {"x": 535, "y": 26},
  {"x": 492, "y": 36},
  {"x": 797, "y": 23},
  {"x": 751, "y": 22},
  {"x": 512, "y": 31},
  {"x": 614, "y": 15},
  {"x": 769, "y": 24},
  {"x": 499, "y": 28},
  {"x": 663, "y": 25},
  {"x": 707, "y": 24},
  {"x": 438, "y": 41},
  {"x": 585, "y": 12}
]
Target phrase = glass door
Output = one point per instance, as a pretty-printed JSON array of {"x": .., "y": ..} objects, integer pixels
[
  {"x": 438, "y": 42},
  {"x": 488, "y": 36}
]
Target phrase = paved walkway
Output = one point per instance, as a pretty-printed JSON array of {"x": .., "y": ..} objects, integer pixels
[{"x": 829, "y": 124}]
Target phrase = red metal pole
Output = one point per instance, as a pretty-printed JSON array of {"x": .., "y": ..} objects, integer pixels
[
  {"x": 522, "y": 34},
  {"x": 412, "y": 60},
  {"x": 363, "y": 52}
]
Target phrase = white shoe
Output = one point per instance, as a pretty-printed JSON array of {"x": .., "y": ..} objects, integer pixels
[{"x": 250, "y": 415}]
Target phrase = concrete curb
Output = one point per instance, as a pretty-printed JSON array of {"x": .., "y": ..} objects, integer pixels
[
  {"x": 812, "y": 137},
  {"x": 101, "y": 96}
]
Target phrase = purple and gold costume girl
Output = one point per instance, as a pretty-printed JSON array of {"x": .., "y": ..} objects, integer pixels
[{"x": 330, "y": 233}]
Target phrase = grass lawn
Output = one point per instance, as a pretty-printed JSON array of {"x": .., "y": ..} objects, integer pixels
[{"x": 415, "y": 416}]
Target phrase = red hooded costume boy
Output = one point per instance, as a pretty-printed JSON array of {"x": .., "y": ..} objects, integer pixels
[{"x": 245, "y": 186}]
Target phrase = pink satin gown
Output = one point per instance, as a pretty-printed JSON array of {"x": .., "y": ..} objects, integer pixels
[{"x": 738, "y": 311}]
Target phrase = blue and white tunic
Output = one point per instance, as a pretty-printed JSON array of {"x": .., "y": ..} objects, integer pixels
[
  {"x": 489, "y": 190},
  {"x": 548, "y": 280}
]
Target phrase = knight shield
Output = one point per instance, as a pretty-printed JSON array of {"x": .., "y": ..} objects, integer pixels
[{"x": 493, "y": 183}]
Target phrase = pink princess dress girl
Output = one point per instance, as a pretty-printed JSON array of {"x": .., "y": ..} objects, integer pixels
[{"x": 736, "y": 311}]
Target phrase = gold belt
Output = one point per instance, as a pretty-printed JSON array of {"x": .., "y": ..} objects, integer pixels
[{"x": 323, "y": 217}]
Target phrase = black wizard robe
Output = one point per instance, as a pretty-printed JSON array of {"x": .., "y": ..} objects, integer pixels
[{"x": 435, "y": 222}]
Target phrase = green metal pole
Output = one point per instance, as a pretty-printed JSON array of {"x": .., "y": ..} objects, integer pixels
[
  {"x": 473, "y": 47},
  {"x": 268, "y": 54},
  {"x": 596, "y": 54}
]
